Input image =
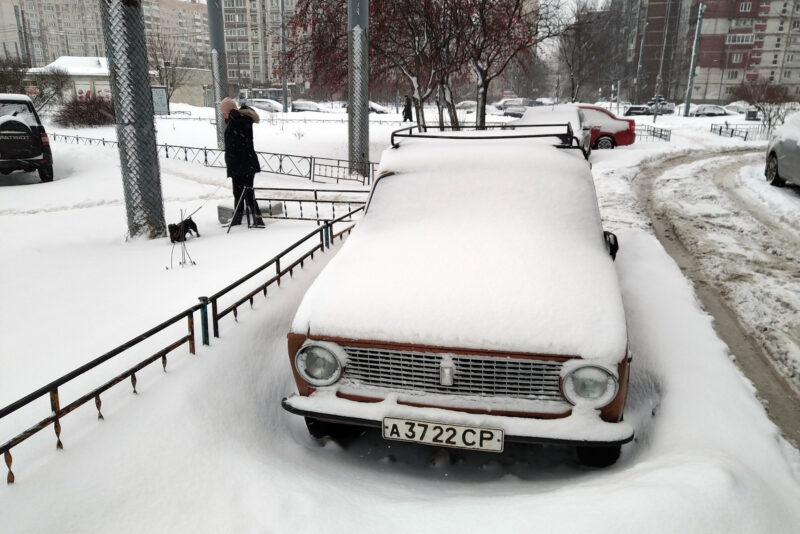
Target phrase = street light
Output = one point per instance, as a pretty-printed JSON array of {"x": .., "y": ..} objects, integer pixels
[{"x": 167, "y": 65}]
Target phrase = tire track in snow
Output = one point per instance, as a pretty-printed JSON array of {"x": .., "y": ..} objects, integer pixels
[{"x": 719, "y": 273}]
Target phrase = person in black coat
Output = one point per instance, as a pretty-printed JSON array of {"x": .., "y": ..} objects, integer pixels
[
  {"x": 407, "y": 109},
  {"x": 241, "y": 158}
]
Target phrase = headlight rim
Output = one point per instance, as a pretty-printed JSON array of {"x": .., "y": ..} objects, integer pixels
[
  {"x": 333, "y": 349},
  {"x": 567, "y": 389}
]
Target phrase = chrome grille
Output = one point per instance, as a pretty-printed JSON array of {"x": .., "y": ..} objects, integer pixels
[{"x": 474, "y": 375}]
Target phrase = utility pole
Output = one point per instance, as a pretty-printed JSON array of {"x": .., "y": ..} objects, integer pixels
[
  {"x": 700, "y": 10},
  {"x": 659, "y": 79},
  {"x": 23, "y": 35},
  {"x": 639, "y": 64},
  {"x": 358, "y": 85},
  {"x": 284, "y": 83},
  {"x": 219, "y": 66}
]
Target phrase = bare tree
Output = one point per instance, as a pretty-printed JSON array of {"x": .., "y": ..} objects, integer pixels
[
  {"x": 52, "y": 83},
  {"x": 12, "y": 75},
  {"x": 498, "y": 31},
  {"x": 165, "y": 56},
  {"x": 769, "y": 99}
]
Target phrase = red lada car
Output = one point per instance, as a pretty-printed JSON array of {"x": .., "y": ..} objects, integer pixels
[{"x": 608, "y": 130}]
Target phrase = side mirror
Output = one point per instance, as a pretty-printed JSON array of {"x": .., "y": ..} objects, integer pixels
[{"x": 612, "y": 245}]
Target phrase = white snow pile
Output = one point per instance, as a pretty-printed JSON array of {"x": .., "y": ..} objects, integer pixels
[{"x": 206, "y": 447}]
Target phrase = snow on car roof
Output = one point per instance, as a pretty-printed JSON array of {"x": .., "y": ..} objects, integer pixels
[
  {"x": 477, "y": 245},
  {"x": 559, "y": 114},
  {"x": 13, "y": 97}
]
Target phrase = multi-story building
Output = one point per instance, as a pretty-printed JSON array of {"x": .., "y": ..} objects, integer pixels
[
  {"x": 253, "y": 40},
  {"x": 43, "y": 30},
  {"x": 746, "y": 41}
]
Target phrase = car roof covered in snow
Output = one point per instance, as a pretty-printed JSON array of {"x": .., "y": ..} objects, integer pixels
[
  {"x": 558, "y": 114},
  {"x": 14, "y": 97},
  {"x": 479, "y": 244}
]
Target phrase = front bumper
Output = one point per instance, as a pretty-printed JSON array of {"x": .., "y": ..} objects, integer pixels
[{"x": 584, "y": 428}]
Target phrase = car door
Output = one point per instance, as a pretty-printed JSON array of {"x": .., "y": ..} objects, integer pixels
[{"x": 789, "y": 151}]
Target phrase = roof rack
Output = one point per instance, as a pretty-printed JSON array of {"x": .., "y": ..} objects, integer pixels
[{"x": 566, "y": 137}]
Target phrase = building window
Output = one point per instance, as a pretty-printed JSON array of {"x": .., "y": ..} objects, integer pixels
[
  {"x": 787, "y": 74},
  {"x": 736, "y": 58},
  {"x": 771, "y": 76},
  {"x": 739, "y": 38},
  {"x": 778, "y": 42},
  {"x": 744, "y": 7},
  {"x": 775, "y": 59},
  {"x": 733, "y": 74},
  {"x": 796, "y": 23}
]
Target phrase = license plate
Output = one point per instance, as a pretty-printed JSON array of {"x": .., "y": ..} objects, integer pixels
[{"x": 443, "y": 435}]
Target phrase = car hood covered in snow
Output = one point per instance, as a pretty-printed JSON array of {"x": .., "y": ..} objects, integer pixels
[{"x": 492, "y": 245}]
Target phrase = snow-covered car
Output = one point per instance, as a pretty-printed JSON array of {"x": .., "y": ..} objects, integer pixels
[
  {"x": 476, "y": 303},
  {"x": 633, "y": 110},
  {"x": 471, "y": 106},
  {"x": 377, "y": 108},
  {"x": 709, "y": 110},
  {"x": 608, "y": 130},
  {"x": 518, "y": 106},
  {"x": 305, "y": 105},
  {"x": 266, "y": 104},
  {"x": 783, "y": 154},
  {"x": 24, "y": 145},
  {"x": 570, "y": 114}
]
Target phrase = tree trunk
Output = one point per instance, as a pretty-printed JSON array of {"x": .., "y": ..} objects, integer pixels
[
  {"x": 480, "y": 113},
  {"x": 451, "y": 106},
  {"x": 439, "y": 106}
]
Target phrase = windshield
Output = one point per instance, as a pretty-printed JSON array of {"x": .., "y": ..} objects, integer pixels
[{"x": 13, "y": 108}]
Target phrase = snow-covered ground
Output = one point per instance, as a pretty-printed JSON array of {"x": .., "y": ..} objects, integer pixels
[{"x": 206, "y": 446}]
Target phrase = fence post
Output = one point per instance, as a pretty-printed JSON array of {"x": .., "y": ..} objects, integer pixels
[
  {"x": 214, "y": 318},
  {"x": 311, "y": 169},
  {"x": 327, "y": 234},
  {"x": 204, "y": 319},
  {"x": 166, "y": 150},
  {"x": 54, "y": 405},
  {"x": 205, "y": 156},
  {"x": 278, "y": 270}
]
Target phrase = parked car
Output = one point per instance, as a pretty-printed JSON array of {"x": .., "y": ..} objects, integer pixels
[
  {"x": 536, "y": 351},
  {"x": 709, "y": 110},
  {"x": 377, "y": 108},
  {"x": 518, "y": 107},
  {"x": 305, "y": 105},
  {"x": 637, "y": 110},
  {"x": 608, "y": 131},
  {"x": 471, "y": 106},
  {"x": 783, "y": 154},
  {"x": 561, "y": 114},
  {"x": 737, "y": 107},
  {"x": 265, "y": 104},
  {"x": 24, "y": 145}
]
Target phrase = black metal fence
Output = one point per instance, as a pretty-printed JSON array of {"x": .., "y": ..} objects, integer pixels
[
  {"x": 323, "y": 170},
  {"x": 647, "y": 132},
  {"x": 746, "y": 132},
  {"x": 324, "y": 233},
  {"x": 308, "y": 204}
]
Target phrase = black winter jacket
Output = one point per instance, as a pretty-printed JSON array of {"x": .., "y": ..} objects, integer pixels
[{"x": 240, "y": 157}]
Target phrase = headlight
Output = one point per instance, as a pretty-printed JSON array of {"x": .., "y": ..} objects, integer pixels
[
  {"x": 589, "y": 385},
  {"x": 319, "y": 362}
]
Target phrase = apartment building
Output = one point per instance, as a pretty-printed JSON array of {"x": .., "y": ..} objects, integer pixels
[
  {"x": 44, "y": 30},
  {"x": 253, "y": 40},
  {"x": 746, "y": 41}
]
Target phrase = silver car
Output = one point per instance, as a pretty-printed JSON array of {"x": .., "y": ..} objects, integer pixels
[{"x": 783, "y": 154}]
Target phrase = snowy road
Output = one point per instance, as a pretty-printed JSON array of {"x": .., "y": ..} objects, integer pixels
[{"x": 738, "y": 242}]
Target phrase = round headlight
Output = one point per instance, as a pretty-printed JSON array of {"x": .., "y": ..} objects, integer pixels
[
  {"x": 589, "y": 385},
  {"x": 318, "y": 364}
]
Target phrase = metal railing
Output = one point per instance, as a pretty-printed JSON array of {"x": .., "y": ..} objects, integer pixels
[
  {"x": 323, "y": 170},
  {"x": 746, "y": 132},
  {"x": 326, "y": 235},
  {"x": 319, "y": 204},
  {"x": 647, "y": 132}
]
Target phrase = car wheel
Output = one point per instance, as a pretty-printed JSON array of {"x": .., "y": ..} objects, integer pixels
[
  {"x": 604, "y": 142},
  {"x": 773, "y": 178},
  {"x": 339, "y": 432},
  {"x": 46, "y": 173},
  {"x": 599, "y": 456}
]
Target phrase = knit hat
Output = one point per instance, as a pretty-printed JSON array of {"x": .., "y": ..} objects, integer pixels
[{"x": 227, "y": 105}]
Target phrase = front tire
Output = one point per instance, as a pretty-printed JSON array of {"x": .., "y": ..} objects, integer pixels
[
  {"x": 599, "y": 456},
  {"x": 773, "y": 178},
  {"x": 46, "y": 173},
  {"x": 604, "y": 142}
]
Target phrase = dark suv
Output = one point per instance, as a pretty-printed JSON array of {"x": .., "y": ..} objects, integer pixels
[{"x": 24, "y": 145}]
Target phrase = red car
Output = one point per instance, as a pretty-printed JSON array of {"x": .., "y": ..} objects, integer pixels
[{"x": 608, "y": 130}]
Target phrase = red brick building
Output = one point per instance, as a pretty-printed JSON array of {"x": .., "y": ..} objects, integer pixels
[{"x": 744, "y": 40}]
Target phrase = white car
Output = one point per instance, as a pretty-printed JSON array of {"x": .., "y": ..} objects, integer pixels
[
  {"x": 561, "y": 114},
  {"x": 305, "y": 105},
  {"x": 709, "y": 110},
  {"x": 443, "y": 324},
  {"x": 265, "y": 104}
]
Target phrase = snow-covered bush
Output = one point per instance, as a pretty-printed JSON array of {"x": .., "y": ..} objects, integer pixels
[{"x": 87, "y": 112}]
